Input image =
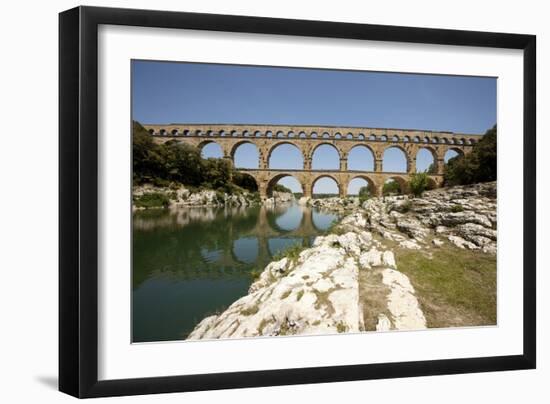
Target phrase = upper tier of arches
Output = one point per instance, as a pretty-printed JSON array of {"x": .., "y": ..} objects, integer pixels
[{"x": 357, "y": 134}]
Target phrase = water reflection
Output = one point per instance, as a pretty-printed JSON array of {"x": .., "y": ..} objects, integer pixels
[{"x": 192, "y": 262}]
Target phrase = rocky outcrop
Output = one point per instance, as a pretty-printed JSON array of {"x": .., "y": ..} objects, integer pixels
[
  {"x": 278, "y": 198},
  {"x": 350, "y": 281},
  {"x": 464, "y": 216},
  {"x": 180, "y": 196},
  {"x": 319, "y": 292},
  {"x": 335, "y": 204}
]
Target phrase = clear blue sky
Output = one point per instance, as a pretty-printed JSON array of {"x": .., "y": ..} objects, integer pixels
[{"x": 167, "y": 92}]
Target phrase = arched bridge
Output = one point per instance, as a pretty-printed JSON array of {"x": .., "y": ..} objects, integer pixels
[{"x": 308, "y": 138}]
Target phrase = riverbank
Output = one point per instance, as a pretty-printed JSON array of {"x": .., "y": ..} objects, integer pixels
[
  {"x": 394, "y": 263},
  {"x": 176, "y": 196}
]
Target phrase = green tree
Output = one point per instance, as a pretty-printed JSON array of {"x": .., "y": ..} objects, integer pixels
[
  {"x": 478, "y": 166},
  {"x": 364, "y": 193},
  {"x": 418, "y": 183},
  {"x": 178, "y": 162},
  {"x": 391, "y": 187},
  {"x": 281, "y": 188},
  {"x": 146, "y": 156},
  {"x": 245, "y": 181}
]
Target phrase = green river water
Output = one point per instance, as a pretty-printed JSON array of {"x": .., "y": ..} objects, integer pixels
[{"x": 194, "y": 262}]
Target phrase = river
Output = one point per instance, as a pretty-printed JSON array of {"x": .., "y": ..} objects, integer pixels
[{"x": 193, "y": 262}]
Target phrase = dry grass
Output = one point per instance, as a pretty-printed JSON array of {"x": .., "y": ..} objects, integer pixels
[
  {"x": 373, "y": 296},
  {"x": 249, "y": 311}
]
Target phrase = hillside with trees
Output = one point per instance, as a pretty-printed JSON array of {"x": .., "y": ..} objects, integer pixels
[
  {"x": 478, "y": 166},
  {"x": 174, "y": 162}
]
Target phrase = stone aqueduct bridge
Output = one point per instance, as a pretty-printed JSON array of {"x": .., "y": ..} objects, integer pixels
[{"x": 308, "y": 138}]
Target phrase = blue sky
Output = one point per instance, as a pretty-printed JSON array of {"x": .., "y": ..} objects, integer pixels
[{"x": 168, "y": 92}]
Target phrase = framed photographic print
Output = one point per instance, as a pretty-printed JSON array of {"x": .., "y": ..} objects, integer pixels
[{"x": 251, "y": 201}]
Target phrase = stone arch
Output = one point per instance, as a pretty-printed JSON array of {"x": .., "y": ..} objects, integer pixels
[
  {"x": 316, "y": 149},
  {"x": 174, "y": 132},
  {"x": 406, "y": 139},
  {"x": 351, "y": 158},
  {"x": 349, "y": 135},
  {"x": 416, "y": 139},
  {"x": 281, "y": 143},
  {"x": 222, "y": 133},
  {"x": 405, "y": 155},
  {"x": 372, "y": 136},
  {"x": 383, "y": 138},
  {"x": 361, "y": 136},
  {"x": 162, "y": 132},
  {"x": 279, "y": 176},
  {"x": 208, "y": 142},
  {"x": 473, "y": 141},
  {"x": 249, "y": 164},
  {"x": 151, "y": 131},
  {"x": 268, "y": 134},
  {"x": 425, "y": 139},
  {"x": 257, "y": 134},
  {"x": 395, "y": 138},
  {"x": 443, "y": 140},
  {"x": 326, "y": 135},
  {"x": 315, "y": 180},
  {"x": 457, "y": 150},
  {"x": 371, "y": 184},
  {"x": 281, "y": 134},
  {"x": 337, "y": 135},
  {"x": 313, "y": 135},
  {"x": 302, "y": 135},
  {"x": 246, "y": 181},
  {"x": 290, "y": 134},
  {"x": 435, "y": 139},
  {"x": 433, "y": 154}
]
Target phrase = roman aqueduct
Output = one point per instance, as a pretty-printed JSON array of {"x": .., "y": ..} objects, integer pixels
[{"x": 308, "y": 138}]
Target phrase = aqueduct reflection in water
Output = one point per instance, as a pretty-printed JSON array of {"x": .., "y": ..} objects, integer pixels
[{"x": 192, "y": 262}]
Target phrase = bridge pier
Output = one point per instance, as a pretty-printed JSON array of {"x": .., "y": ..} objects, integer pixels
[
  {"x": 343, "y": 164},
  {"x": 411, "y": 165},
  {"x": 440, "y": 166}
]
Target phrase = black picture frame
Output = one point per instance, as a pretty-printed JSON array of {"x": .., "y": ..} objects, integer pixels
[{"x": 78, "y": 201}]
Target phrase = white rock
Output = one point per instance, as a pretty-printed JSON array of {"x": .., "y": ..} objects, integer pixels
[
  {"x": 388, "y": 259},
  {"x": 437, "y": 242},
  {"x": 461, "y": 243},
  {"x": 402, "y": 302},
  {"x": 384, "y": 323},
  {"x": 410, "y": 244},
  {"x": 371, "y": 258}
]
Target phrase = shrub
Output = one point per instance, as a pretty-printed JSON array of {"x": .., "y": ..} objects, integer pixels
[
  {"x": 152, "y": 200},
  {"x": 418, "y": 183},
  {"x": 292, "y": 253},
  {"x": 391, "y": 187},
  {"x": 457, "y": 208},
  {"x": 364, "y": 194}
]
